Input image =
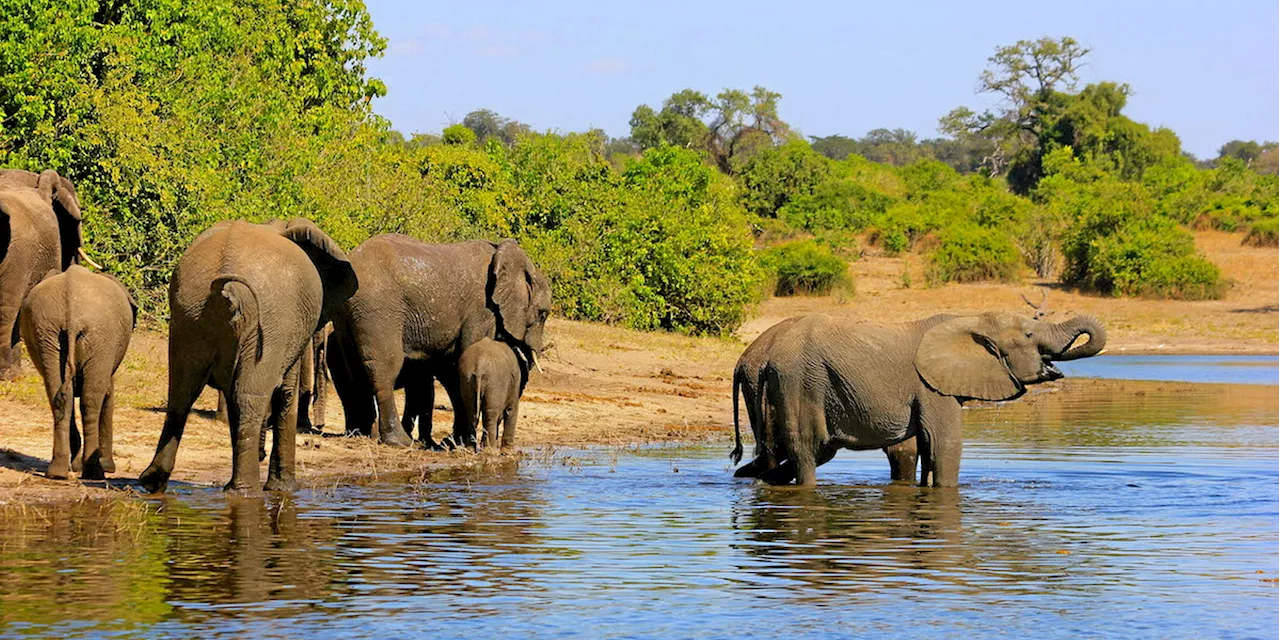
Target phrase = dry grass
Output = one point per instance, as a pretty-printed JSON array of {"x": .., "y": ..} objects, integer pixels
[{"x": 615, "y": 387}]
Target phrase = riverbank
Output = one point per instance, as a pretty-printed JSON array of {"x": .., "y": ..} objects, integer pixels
[{"x": 605, "y": 386}]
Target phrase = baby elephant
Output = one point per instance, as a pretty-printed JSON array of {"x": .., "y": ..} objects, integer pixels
[
  {"x": 492, "y": 376},
  {"x": 76, "y": 325}
]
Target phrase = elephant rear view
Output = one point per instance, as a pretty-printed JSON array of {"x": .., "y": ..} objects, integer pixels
[
  {"x": 39, "y": 231},
  {"x": 245, "y": 300},
  {"x": 77, "y": 326}
]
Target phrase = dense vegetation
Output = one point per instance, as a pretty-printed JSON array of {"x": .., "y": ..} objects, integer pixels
[{"x": 170, "y": 115}]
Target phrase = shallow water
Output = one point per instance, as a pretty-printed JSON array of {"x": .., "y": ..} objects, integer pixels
[{"x": 1147, "y": 512}]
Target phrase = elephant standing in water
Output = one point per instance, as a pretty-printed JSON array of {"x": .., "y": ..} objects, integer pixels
[
  {"x": 245, "y": 301},
  {"x": 746, "y": 380},
  {"x": 39, "y": 231},
  {"x": 832, "y": 383},
  {"x": 76, "y": 325},
  {"x": 418, "y": 308}
]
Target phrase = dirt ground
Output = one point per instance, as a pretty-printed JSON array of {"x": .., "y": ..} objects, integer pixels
[{"x": 614, "y": 387}]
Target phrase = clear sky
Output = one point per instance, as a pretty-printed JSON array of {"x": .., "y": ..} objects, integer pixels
[{"x": 1207, "y": 70}]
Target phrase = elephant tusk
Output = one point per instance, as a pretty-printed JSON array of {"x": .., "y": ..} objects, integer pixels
[
  {"x": 84, "y": 256},
  {"x": 534, "y": 354}
]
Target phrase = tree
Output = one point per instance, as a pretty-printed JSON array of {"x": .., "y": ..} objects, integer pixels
[
  {"x": 836, "y": 147},
  {"x": 730, "y": 129},
  {"x": 486, "y": 124},
  {"x": 1245, "y": 150},
  {"x": 1031, "y": 77}
]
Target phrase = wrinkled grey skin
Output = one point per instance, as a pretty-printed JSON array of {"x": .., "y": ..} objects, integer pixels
[
  {"x": 832, "y": 383},
  {"x": 418, "y": 308},
  {"x": 312, "y": 390},
  {"x": 492, "y": 376},
  {"x": 746, "y": 380},
  {"x": 245, "y": 301},
  {"x": 39, "y": 231},
  {"x": 76, "y": 326}
]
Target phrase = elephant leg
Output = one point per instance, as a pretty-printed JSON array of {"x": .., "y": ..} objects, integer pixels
[
  {"x": 493, "y": 415},
  {"x": 77, "y": 441},
  {"x": 463, "y": 431},
  {"x": 784, "y": 473},
  {"x": 306, "y": 388},
  {"x": 424, "y": 402},
  {"x": 61, "y": 402},
  {"x": 509, "y": 420},
  {"x": 284, "y": 430},
  {"x": 352, "y": 389},
  {"x": 106, "y": 429},
  {"x": 248, "y": 412},
  {"x": 320, "y": 388},
  {"x": 382, "y": 374},
  {"x": 803, "y": 453},
  {"x": 91, "y": 401},
  {"x": 940, "y": 443},
  {"x": 184, "y": 387},
  {"x": 902, "y": 460},
  {"x": 222, "y": 409},
  {"x": 10, "y": 350}
]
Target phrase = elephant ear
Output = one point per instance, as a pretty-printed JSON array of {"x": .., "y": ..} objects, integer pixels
[
  {"x": 336, "y": 273},
  {"x": 512, "y": 273},
  {"x": 956, "y": 358},
  {"x": 66, "y": 204}
]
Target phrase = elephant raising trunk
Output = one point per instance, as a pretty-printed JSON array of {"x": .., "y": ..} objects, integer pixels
[{"x": 1063, "y": 334}]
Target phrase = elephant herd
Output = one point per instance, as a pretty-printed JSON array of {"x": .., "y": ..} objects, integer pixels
[
  {"x": 251, "y": 305},
  {"x": 260, "y": 311}
]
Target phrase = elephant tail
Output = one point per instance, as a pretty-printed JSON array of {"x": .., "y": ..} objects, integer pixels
[
  {"x": 736, "y": 454},
  {"x": 66, "y": 390},
  {"x": 242, "y": 302}
]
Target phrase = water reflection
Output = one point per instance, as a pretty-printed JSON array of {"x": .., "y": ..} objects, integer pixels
[{"x": 1120, "y": 504}]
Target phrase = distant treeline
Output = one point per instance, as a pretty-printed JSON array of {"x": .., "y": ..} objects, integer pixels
[{"x": 172, "y": 114}]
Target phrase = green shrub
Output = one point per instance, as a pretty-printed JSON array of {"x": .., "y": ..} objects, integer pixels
[
  {"x": 894, "y": 241},
  {"x": 1151, "y": 257},
  {"x": 458, "y": 135},
  {"x": 805, "y": 267},
  {"x": 970, "y": 253},
  {"x": 1263, "y": 233}
]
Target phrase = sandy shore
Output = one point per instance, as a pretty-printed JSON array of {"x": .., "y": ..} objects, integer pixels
[{"x": 614, "y": 387}]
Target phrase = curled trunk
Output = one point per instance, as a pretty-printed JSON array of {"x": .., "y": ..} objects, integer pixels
[{"x": 1063, "y": 334}]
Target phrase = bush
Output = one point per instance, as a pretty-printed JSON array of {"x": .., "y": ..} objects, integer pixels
[
  {"x": 805, "y": 267},
  {"x": 458, "y": 135},
  {"x": 1263, "y": 233},
  {"x": 970, "y": 253},
  {"x": 1153, "y": 258}
]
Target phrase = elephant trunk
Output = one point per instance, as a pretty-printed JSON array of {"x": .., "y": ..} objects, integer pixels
[{"x": 1064, "y": 333}]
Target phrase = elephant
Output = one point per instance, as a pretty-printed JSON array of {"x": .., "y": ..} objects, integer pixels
[
  {"x": 39, "y": 231},
  {"x": 746, "y": 380},
  {"x": 418, "y": 308},
  {"x": 245, "y": 300},
  {"x": 832, "y": 383},
  {"x": 491, "y": 377},
  {"x": 76, "y": 325}
]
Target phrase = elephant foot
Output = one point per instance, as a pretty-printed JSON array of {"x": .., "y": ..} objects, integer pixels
[
  {"x": 92, "y": 471},
  {"x": 280, "y": 484},
  {"x": 77, "y": 465},
  {"x": 58, "y": 470},
  {"x": 781, "y": 475},
  {"x": 109, "y": 465},
  {"x": 154, "y": 480},
  {"x": 395, "y": 437},
  {"x": 240, "y": 487}
]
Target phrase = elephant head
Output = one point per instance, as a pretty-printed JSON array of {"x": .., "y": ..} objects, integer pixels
[
  {"x": 520, "y": 295},
  {"x": 336, "y": 273},
  {"x": 994, "y": 356}
]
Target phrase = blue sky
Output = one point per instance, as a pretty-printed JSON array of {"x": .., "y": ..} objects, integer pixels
[{"x": 1206, "y": 70}]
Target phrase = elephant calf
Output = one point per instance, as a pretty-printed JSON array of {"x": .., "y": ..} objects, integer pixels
[
  {"x": 76, "y": 326},
  {"x": 492, "y": 376}
]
